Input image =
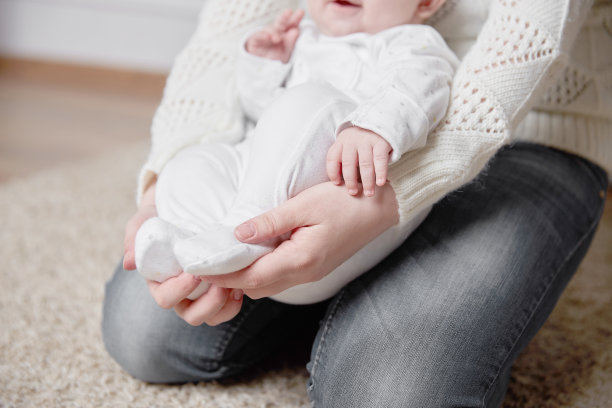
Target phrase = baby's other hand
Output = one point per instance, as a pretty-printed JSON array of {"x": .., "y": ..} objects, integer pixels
[
  {"x": 277, "y": 41},
  {"x": 358, "y": 153}
]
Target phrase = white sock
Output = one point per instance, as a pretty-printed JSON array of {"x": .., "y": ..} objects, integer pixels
[
  {"x": 154, "y": 252},
  {"x": 217, "y": 251}
]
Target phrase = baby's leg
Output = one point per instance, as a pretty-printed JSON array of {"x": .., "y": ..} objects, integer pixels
[
  {"x": 287, "y": 155},
  {"x": 193, "y": 191}
]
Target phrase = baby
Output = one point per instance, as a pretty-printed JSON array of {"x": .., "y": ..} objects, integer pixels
[{"x": 338, "y": 96}]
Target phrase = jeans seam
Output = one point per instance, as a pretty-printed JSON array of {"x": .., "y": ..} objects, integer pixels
[
  {"x": 224, "y": 340},
  {"x": 596, "y": 173},
  {"x": 326, "y": 329},
  {"x": 588, "y": 232}
]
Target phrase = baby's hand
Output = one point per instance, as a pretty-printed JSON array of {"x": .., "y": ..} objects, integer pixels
[
  {"x": 356, "y": 147},
  {"x": 277, "y": 41}
]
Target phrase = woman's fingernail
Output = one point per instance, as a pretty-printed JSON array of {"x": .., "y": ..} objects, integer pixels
[
  {"x": 245, "y": 231},
  {"x": 237, "y": 294}
]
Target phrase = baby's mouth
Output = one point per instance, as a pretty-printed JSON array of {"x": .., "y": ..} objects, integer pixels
[{"x": 345, "y": 3}]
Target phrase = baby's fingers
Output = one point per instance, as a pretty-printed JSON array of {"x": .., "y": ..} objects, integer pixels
[
  {"x": 288, "y": 19},
  {"x": 334, "y": 161},
  {"x": 260, "y": 40},
  {"x": 296, "y": 17},
  {"x": 282, "y": 21},
  {"x": 381, "y": 161},
  {"x": 366, "y": 170},
  {"x": 349, "y": 169}
]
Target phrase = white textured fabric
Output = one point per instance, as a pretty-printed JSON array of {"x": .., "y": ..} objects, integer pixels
[
  {"x": 399, "y": 78},
  {"x": 205, "y": 191},
  {"x": 523, "y": 48}
]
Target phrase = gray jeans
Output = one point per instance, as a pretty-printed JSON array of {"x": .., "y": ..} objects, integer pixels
[{"x": 438, "y": 323}]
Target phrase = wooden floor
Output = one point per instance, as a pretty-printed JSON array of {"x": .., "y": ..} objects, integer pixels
[{"x": 51, "y": 113}]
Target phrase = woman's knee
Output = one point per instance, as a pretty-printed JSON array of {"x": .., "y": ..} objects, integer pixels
[
  {"x": 361, "y": 359},
  {"x": 152, "y": 344}
]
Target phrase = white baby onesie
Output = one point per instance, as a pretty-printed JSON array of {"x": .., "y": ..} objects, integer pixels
[{"x": 395, "y": 83}]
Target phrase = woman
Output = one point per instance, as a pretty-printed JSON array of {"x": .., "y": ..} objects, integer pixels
[{"x": 441, "y": 320}]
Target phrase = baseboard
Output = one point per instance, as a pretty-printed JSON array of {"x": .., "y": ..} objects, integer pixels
[{"x": 131, "y": 34}]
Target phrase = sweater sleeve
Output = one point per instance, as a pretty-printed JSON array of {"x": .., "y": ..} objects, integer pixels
[
  {"x": 517, "y": 54},
  {"x": 200, "y": 100}
]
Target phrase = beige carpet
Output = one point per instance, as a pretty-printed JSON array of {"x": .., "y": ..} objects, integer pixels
[{"x": 60, "y": 238}]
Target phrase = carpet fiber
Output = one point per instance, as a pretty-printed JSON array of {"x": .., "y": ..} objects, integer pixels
[{"x": 61, "y": 236}]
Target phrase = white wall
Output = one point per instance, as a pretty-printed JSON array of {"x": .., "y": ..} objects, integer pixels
[{"x": 133, "y": 34}]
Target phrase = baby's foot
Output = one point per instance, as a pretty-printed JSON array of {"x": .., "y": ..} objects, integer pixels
[
  {"x": 154, "y": 253},
  {"x": 217, "y": 252}
]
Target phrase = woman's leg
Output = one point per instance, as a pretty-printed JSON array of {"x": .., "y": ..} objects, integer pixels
[
  {"x": 155, "y": 345},
  {"x": 440, "y": 322}
]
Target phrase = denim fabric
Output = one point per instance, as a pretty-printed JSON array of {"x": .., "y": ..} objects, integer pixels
[
  {"x": 155, "y": 345},
  {"x": 436, "y": 324}
]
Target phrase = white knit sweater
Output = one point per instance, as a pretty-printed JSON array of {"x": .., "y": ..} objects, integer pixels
[{"x": 517, "y": 54}]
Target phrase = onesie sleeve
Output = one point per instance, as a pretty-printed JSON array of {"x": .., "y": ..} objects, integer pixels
[
  {"x": 200, "y": 101},
  {"x": 517, "y": 55},
  {"x": 417, "y": 69},
  {"x": 259, "y": 80}
]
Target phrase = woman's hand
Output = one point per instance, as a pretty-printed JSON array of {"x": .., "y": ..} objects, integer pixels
[
  {"x": 328, "y": 226},
  {"x": 146, "y": 210},
  {"x": 217, "y": 305}
]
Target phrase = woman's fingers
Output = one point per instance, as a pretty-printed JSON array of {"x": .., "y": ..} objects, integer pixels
[
  {"x": 131, "y": 228},
  {"x": 271, "y": 273},
  {"x": 229, "y": 310},
  {"x": 173, "y": 290},
  {"x": 213, "y": 307},
  {"x": 272, "y": 224}
]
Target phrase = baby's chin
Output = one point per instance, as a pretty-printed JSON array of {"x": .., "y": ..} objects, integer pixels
[{"x": 339, "y": 30}]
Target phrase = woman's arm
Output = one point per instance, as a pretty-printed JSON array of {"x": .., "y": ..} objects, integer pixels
[{"x": 520, "y": 49}]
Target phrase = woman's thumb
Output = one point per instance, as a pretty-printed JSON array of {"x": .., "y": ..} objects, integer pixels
[{"x": 269, "y": 225}]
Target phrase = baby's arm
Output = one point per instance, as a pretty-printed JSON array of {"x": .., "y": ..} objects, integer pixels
[
  {"x": 409, "y": 102},
  {"x": 278, "y": 40},
  {"x": 358, "y": 153},
  {"x": 263, "y": 64}
]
